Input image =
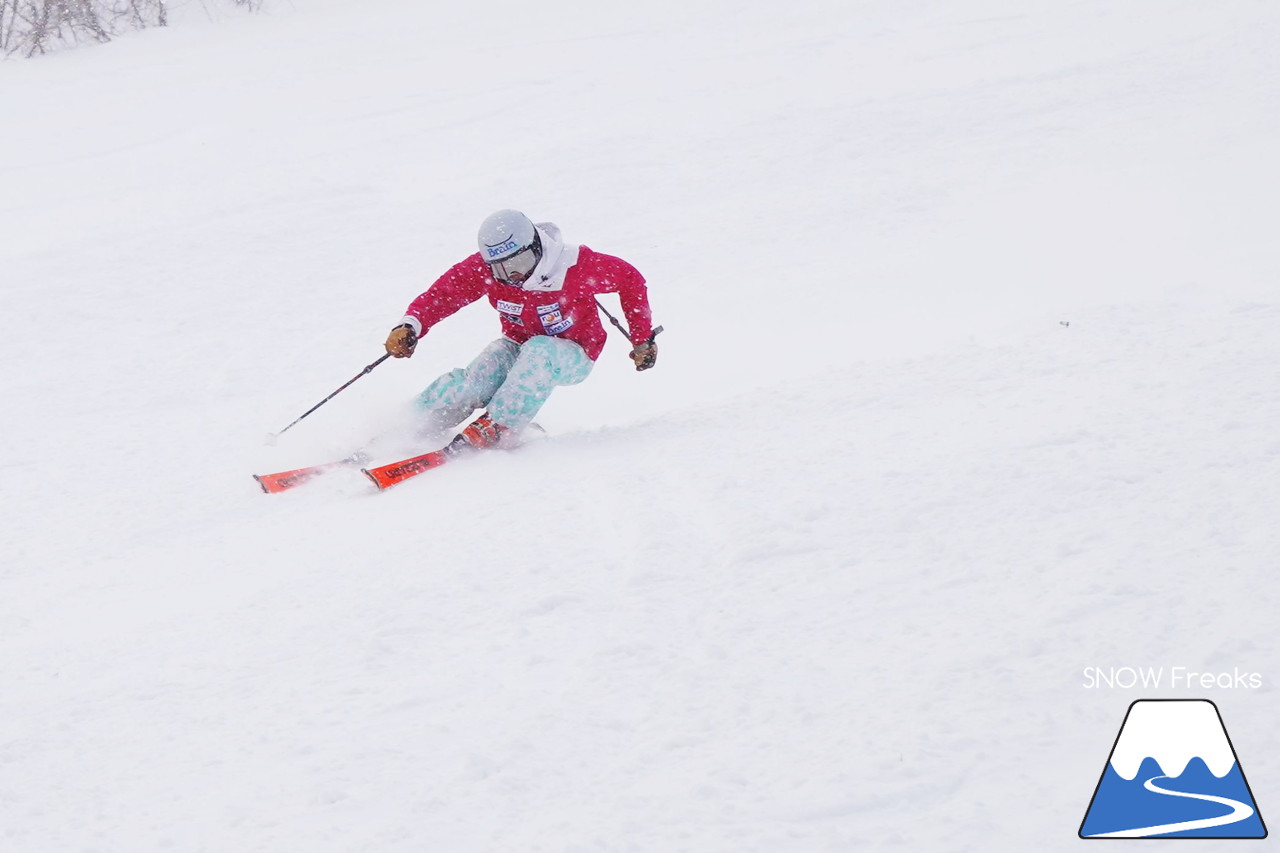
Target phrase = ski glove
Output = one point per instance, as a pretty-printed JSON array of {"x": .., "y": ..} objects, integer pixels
[
  {"x": 402, "y": 340},
  {"x": 645, "y": 355}
]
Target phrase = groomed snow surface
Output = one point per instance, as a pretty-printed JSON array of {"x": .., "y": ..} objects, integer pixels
[{"x": 970, "y": 382}]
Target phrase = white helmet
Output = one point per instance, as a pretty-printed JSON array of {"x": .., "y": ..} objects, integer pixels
[
  {"x": 504, "y": 233},
  {"x": 509, "y": 244}
]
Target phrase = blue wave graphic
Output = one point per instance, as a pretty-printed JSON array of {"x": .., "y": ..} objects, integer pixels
[{"x": 1122, "y": 805}]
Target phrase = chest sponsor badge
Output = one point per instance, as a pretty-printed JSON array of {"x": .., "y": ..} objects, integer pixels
[
  {"x": 553, "y": 319},
  {"x": 511, "y": 311}
]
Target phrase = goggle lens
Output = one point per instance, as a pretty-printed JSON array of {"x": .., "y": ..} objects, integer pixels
[{"x": 520, "y": 264}]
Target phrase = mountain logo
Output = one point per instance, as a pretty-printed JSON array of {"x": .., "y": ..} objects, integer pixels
[{"x": 1173, "y": 773}]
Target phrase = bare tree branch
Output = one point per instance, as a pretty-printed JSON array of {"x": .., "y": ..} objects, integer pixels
[{"x": 35, "y": 27}]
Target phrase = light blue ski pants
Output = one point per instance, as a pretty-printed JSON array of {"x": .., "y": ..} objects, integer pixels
[{"x": 511, "y": 380}]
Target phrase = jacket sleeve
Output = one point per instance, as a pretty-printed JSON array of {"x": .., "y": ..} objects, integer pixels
[
  {"x": 461, "y": 285},
  {"x": 614, "y": 275}
]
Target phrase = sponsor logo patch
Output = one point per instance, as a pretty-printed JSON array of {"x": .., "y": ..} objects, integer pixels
[
  {"x": 510, "y": 307},
  {"x": 501, "y": 249},
  {"x": 553, "y": 319}
]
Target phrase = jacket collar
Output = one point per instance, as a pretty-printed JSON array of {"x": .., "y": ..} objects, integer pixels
[{"x": 548, "y": 276}]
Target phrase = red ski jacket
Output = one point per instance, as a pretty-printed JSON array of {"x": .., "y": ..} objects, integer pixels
[{"x": 568, "y": 311}]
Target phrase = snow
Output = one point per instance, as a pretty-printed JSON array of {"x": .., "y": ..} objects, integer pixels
[{"x": 968, "y": 383}]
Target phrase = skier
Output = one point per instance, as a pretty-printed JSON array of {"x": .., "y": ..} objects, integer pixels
[{"x": 544, "y": 292}]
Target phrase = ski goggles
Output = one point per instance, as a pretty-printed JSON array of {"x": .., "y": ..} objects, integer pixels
[{"x": 521, "y": 265}]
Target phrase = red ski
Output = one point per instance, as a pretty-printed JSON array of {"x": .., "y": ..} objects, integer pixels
[
  {"x": 282, "y": 481},
  {"x": 386, "y": 476},
  {"x": 383, "y": 476}
]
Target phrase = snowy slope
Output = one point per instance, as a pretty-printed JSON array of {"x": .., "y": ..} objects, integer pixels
[{"x": 824, "y": 580}]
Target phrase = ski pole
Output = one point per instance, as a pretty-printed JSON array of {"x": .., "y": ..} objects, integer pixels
[
  {"x": 623, "y": 329},
  {"x": 272, "y": 436}
]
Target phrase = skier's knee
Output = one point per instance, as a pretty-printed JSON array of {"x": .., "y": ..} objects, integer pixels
[
  {"x": 549, "y": 357},
  {"x": 561, "y": 362},
  {"x": 541, "y": 348}
]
